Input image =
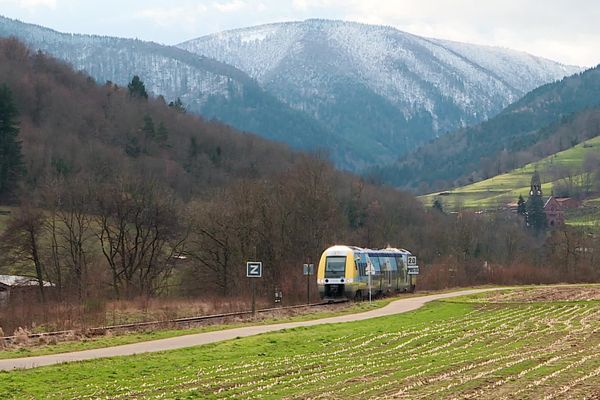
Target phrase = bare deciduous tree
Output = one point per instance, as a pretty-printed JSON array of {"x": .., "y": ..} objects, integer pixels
[
  {"x": 21, "y": 241},
  {"x": 140, "y": 234}
]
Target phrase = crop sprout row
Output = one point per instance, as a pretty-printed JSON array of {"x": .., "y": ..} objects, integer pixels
[{"x": 495, "y": 351}]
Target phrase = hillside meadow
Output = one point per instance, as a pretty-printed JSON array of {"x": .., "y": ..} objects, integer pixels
[{"x": 497, "y": 192}]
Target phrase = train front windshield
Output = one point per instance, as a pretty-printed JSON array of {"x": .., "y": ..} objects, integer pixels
[{"x": 335, "y": 267}]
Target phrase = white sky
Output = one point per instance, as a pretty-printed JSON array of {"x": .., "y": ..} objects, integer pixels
[{"x": 564, "y": 30}]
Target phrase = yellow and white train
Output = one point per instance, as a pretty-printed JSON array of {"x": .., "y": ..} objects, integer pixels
[{"x": 344, "y": 272}]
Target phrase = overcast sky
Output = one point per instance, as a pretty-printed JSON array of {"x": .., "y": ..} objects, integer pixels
[{"x": 564, "y": 30}]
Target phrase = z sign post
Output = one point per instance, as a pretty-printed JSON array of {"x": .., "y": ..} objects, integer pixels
[{"x": 254, "y": 270}]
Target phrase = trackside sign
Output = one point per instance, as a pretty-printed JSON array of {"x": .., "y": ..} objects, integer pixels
[{"x": 254, "y": 269}]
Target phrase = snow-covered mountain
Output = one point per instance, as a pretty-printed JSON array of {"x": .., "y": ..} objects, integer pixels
[
  {"x": 206, "y": 86},
  {"x": 385, "y": 90},
  {"x": 365, "y": 93}
]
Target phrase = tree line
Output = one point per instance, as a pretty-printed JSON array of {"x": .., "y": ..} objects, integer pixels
[{"x": 122, "y": 194}]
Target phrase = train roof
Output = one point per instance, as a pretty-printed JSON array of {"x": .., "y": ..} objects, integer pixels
[{"x": 389, "y": 250}]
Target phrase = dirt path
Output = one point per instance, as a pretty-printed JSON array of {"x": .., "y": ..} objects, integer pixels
[{"x": 396, "y": 307}]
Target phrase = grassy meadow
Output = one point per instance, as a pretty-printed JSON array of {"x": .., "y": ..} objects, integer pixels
[{"x": 460, "y": 348}]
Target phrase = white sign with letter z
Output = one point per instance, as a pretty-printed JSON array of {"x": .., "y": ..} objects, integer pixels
[{"x": 254, "y": 269}]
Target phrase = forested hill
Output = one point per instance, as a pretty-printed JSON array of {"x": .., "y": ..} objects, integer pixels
[
  {"x": 525, "y": 131},
  {"x": 206, "y": 86},
  {"x": 70, "y": 125}
]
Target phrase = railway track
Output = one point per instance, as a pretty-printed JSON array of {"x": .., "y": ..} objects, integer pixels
[{"x": 175, "y": 323}]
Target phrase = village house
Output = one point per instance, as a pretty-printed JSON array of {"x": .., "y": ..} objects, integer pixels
[
  {"x": 18, "y": 287},
  {"x": 555, "y": 208}
]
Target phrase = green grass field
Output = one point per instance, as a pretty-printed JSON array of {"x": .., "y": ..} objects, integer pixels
[
  {"x": 503, "y": 189},
  {"x": 454, "y": 349}
]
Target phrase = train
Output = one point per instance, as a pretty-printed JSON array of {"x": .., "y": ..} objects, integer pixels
[{"x": 344, "y": 272}]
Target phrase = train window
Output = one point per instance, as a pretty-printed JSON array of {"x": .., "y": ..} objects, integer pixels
[
  {"x": 335, "y": 267},
  {"x": 393, "y": 265},
  {"x": 402, "y": 268},
  {"x": 386, "y": 265},
  {"x": 400, "y": 263},
  {"x": 361, "y": 262},
  {"x": 383, "y": 263},
  {"x": 376, "y": 263}
]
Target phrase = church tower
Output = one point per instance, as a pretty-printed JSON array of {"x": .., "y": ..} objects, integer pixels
[{"x": 536, "y": 185}]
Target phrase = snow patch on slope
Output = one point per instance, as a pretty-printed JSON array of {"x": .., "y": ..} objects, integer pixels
[{"x": 410, "y": 71}]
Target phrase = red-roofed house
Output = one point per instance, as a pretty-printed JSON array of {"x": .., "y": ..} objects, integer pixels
[{"x": 555, "y": 208}]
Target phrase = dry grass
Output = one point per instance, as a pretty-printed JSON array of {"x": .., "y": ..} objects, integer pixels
[
  {"x": 143, "y": 309},
  {"x": 448, "y": 273},
  {"x": 57, "y": 316}
]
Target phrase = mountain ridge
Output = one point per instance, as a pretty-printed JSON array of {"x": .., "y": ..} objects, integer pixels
[
  {"x": 388, "y": 96},
  {"x": 535, "y": 126},
  {"x": 420, "y": 87}
]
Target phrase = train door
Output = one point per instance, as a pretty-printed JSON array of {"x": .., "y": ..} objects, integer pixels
[
  {"x": 377, "y": 280},
  {"x": 393, "y": 273},
  {"x": 388, "y": 274},
  {"x": 361, "y": 260},
  {"x": 402, "y": 272}
]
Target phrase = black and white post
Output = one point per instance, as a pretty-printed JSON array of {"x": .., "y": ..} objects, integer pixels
[
  {"x": 370, "y": 272},
  {"x": 309, "y": 269}
]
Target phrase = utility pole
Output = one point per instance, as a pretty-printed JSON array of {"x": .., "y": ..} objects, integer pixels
[
  {"x": 370, "y": 271},
  {"x": 253, "y": 298}
]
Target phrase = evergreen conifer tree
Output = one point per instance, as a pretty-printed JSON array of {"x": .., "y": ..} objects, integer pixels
[
  {"x": 162, "y": 133},
  {"x": 178, "y": 106},
  {"x": 521, "y": 206},
  {"x": 11, "y": 157},
  {"x": 437, "y": 204},
  {"x": 536, "y": 217},
  {"x": 148, "y": 128},
  {"x": 136, "y": 88}
]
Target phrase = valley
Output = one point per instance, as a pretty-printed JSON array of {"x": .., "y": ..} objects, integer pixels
[{"x": 207, "y": 200}]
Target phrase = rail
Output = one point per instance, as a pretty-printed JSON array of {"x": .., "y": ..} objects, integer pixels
[{"x": 177, "y": 322}]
